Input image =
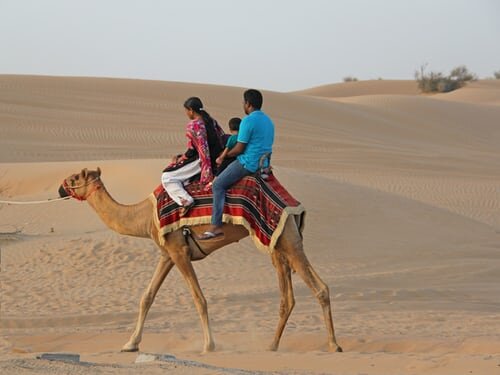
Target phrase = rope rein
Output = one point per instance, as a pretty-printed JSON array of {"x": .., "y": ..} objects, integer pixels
[{"x": 50, "y": 200}]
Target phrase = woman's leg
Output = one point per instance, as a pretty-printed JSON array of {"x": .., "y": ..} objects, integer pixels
[{"x": 173, "y": 181}]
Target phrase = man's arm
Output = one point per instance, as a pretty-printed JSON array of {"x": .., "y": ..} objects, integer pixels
[{"x": 236, "y": 150}]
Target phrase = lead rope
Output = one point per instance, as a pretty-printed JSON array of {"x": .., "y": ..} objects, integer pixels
[{"x": 50, "y": 200}]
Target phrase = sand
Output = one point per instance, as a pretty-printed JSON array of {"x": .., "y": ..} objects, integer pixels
[{"x": 402, "y": 193}]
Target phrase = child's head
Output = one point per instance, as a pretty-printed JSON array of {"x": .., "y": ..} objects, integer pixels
[{"x": 234, "y": 124}]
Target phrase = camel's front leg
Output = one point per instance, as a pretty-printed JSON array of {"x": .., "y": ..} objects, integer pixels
[
  {"x": 287, "y": 299},
  {"x": 183, "y": 263},
  {"x": 162, "y": 269}
]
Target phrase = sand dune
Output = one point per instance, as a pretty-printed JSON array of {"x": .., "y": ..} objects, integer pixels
[
  {"x": 403, "y": 222},
  {"x": 359, "y": 88},
  {"x": 480, "y": 92}
]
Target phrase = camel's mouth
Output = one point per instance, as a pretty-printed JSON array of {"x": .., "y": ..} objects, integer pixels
[{"x": 62, "y": 192}]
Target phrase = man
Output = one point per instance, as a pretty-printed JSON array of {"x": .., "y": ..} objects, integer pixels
[{"x": 255, "y": 138}]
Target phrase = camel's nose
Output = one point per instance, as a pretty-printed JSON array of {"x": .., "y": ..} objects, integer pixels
[{"x": 62, "y": 192}]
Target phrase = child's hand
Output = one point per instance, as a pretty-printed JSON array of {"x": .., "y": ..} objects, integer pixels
[{"x": 219, "y": 160}]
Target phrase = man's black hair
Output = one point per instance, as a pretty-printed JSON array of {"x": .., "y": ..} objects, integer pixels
[{"x": 254, "y": 98}]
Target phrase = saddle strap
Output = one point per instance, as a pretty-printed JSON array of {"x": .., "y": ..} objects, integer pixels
[{"x": 188, "y": 235}]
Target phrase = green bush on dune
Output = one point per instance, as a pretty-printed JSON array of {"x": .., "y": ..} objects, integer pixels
[{"x": 437, "y": 82}]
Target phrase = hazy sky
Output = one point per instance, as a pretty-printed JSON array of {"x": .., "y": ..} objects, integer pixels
[{"x": 280, "y": 45}]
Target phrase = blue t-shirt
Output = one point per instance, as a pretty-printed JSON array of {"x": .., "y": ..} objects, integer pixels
[{"x": 257, "y": 131}]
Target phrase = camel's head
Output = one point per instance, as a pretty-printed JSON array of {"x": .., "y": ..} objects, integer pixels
[{"x": 81, "y": 185}]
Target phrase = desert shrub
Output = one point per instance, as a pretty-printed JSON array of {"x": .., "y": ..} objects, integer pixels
[
  {"x": 497, "y": 74},
  {"x": 437, "y": 82},
  {"x": 350, "y": 79}
]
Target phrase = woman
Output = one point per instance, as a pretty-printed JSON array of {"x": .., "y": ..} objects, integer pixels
[{"x": 204, "y": 146}]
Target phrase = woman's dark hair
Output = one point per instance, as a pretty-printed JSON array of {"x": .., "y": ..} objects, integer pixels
[
  {"x": 234, "y": 124},
  {"x": 214, "y": 143},
  {"x": 254, "y": 98}
]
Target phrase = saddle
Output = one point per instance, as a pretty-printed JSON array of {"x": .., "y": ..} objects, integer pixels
[{"x": 258, "y": 202}]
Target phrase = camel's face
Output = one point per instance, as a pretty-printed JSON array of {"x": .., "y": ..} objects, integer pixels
[{"x": 81, "y": 185}]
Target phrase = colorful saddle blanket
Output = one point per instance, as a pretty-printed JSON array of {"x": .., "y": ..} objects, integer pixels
[{"x": 261, "y": 206}]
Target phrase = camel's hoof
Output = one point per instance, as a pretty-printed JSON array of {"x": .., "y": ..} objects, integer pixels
[
  {"x": 210, "y": 348},
  {"x": 334, "y": 348},
  {"x": 129, "y": 349},
  {"x": 273, "y": 348}
]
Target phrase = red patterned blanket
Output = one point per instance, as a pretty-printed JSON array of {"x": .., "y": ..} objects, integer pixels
[{"x": 262, "y": 206}]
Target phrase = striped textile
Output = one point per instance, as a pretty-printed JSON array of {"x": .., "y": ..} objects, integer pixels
[{"x": 262, "y": 206}]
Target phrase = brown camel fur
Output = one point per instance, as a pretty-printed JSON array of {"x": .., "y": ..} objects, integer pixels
[{"x": 138, "y": 220}]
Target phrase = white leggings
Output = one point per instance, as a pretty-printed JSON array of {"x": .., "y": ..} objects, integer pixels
[{"x": 173, "y": 182}]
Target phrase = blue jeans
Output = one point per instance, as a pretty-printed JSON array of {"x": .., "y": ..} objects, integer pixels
[{"x": 232, "y": 174}]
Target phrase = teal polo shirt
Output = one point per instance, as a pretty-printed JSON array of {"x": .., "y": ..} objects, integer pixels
[{"x": 257, "y": 131}]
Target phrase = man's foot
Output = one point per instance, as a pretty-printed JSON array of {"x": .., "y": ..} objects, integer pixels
[{"x": 211, "y": 236}]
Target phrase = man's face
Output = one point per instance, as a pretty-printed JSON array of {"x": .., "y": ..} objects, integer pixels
[{"x": 246, "y": 107}]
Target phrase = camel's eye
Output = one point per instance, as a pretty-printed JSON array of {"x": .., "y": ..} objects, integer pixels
[{"x": 77, "y": 177}]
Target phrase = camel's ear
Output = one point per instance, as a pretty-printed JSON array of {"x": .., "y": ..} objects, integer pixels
[
  {"x": 84, "y": 173},
  {"x": 99, "y": 171}
]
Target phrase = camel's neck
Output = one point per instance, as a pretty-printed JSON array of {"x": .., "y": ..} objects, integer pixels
[{"x": 133, "y": 220}]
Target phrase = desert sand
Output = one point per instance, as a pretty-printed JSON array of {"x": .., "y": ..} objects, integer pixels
[{"x": 402, "y": 193}]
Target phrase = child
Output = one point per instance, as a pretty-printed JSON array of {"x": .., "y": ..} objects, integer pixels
[{"x": 223, "y": 161}]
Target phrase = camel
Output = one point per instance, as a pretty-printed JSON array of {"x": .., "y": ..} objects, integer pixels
[{"x": 138, "y": 220}]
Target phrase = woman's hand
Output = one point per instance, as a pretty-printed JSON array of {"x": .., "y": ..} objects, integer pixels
[
  {"x": 219, "y": 160},
  {"x": 208, "y": 186}
]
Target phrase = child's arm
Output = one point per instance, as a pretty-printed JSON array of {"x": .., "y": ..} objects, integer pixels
[{"x": 222, "y": 156}]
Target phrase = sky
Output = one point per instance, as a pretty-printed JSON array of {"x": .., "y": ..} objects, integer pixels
[{"x": 279, "y": 45}]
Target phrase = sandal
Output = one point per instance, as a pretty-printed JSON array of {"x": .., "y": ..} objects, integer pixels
[
  {"x": 208, "y": 236},
  {"x": 185, "y": 209}
]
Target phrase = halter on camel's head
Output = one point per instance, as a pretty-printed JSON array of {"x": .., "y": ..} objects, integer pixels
[{"x": 81, "y": 185}]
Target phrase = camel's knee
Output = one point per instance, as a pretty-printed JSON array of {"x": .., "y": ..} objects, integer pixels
[
  {"x": 286, "y": 307},
  {"x": 323, "y": 295},
  {"x": 146, "y": 300},
  {"x": 203, "y": 305}
]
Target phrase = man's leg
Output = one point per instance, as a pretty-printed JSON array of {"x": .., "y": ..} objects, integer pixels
[{"x": 233, "y": 173}]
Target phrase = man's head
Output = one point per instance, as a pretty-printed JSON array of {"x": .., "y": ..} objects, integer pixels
[{"x": 252, "y": 100}]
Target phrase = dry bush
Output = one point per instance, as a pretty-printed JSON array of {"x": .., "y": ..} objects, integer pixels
[
  {"x": 350, "y": 79},
  {"x": 437, "y": 82}
]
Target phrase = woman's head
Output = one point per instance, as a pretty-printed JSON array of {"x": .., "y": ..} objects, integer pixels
[{"x": 194, "y": 104}]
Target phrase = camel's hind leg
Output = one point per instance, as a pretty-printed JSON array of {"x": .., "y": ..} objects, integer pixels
[
  {"x": 181, "y": 258},
  {"x": 290, "y": 245},
  {"x": 287, "y": 299},
  {"x": 162, "y": 269}
]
